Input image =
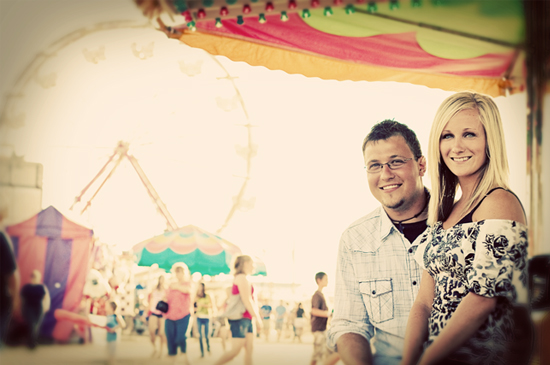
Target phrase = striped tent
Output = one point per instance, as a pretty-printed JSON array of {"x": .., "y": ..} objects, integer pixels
[{"x": 60, "y": 250}]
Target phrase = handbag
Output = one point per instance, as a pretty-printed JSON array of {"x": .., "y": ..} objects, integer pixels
[
  {"x": 162, "y": 306},
  {"x": 235, "y": 307}
]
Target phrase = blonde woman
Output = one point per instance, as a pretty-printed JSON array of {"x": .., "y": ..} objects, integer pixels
[
  {"x": 203, "y": 303},
  {"x": 156, "y": 320},
  {"x": 241, "y": 328},
  {"x": 474, "y": 250}
]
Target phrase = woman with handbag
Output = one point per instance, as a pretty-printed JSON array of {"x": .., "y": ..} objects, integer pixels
[
  {"x": 240, "y": 311},
  {"x": 156, "y": 321},
  {"x": 178, "y": 298}
]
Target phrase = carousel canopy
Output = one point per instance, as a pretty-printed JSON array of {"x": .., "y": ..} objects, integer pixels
[{"x": 447, "y": 44}]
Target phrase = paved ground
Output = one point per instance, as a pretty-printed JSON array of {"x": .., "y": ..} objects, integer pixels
[{"x": 136, "y": 349}]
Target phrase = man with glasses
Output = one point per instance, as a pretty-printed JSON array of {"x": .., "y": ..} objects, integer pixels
[{"x": 377, "y": 278}]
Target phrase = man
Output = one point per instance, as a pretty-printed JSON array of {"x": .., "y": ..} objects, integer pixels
[
  {"x": 280, "y": 312},
  {"x": 319, "y": 318},
  {"x": 377, "y": 278}
]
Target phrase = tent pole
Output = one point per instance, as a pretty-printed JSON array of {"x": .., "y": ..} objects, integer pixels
[{"x": 538, "y": 70}]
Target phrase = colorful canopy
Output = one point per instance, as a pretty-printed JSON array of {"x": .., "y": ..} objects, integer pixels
[
  {"x": 60, "y": 250},
  {"x": 200, "y": 250},
  {"x": 447, "y": 44}
]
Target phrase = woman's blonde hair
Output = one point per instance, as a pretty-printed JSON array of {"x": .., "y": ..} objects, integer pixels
[
  {"x": 493, "y": 174},
  {"x": 239, "y": 263},
  {"x": 179, "y": 266}
]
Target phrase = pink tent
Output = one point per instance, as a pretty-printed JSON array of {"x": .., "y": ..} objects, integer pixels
[{"x": 60, "y": 250}]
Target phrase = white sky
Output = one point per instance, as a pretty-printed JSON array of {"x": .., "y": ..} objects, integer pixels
[{"x": 307, "y": 178}]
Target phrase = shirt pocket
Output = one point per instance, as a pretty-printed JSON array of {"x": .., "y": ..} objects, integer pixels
[{"x": 378, "y": 298}]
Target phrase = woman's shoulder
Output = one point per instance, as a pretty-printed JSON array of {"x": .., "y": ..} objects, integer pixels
[
  {"x": 240, "y": 278},
  {"x": 500, "y": 204}
]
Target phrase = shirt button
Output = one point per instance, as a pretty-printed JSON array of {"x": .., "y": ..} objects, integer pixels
[
  {"x": 373, "y": 292},
  {"x": 414, "y": 282},
  {"x": 410, "y": 250}
]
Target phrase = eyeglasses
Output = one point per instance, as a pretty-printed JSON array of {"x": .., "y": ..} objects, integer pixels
[{"x": 394, "y": 164}]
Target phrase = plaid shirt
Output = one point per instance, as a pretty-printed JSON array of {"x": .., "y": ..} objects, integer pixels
[{"x": 377, "y": 280}]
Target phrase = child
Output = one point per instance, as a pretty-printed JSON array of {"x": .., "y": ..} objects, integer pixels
[{"x": 114, "y": 321}]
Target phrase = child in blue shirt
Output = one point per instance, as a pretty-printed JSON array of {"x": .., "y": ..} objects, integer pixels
[{"x": 114, "y": 321}]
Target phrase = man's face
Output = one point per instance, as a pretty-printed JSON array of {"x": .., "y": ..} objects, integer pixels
[{"x": 399, "y": 189}]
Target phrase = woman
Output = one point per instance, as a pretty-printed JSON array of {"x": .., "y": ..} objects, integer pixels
[
  {"x": 241, "y": 329},
  {"x": 299, "y": 322},
  {"x": 203, "y": 304},
  {"x": 156, "y": 321},
  {"x": 475, "y": 248},
  {"x": 35, "y": 303},
  {"x": 179, "y": 310}
]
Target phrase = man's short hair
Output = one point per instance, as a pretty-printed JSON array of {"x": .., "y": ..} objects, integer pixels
[
  {"x": 389, "y": 128},
  {"x": 319, "y": 276}
]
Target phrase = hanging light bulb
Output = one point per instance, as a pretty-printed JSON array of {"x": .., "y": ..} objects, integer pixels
[
  {"x": 328, "y": 11},
  {"x": 240, "y": 20},
  {"x": 314, "y": 3},
  {"x": 224, "y": 11},
  {"x": 350, "y": 9},
  {"x": 219, "y": 23},
  {"x": 192, "y": 26},
  {"x": 269, "y": 7},
  {"x": 201, "y": 14},
  {"x": 180, "y": 5},
  {"x": 292, "y": 4},
  {"x": 187, "y": 15},
  {"x": 246, "y": 9},
  {"x": 394, "y": 4},
  {"x": 261, "y": 18},
  {"x": 306, "y": 13},
  {"x": 416, "y": 3},
  {"x": 284, "y": 16},
  {"x": 372, "y": 7}
]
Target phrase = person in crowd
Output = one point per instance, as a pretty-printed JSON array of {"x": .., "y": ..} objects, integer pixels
[
  {"x": 241, "y": 310},
  {"x": 114, "y": 322},
  {"x": 35, "y": 299},
  {"x": 319, "y": 318},
  {"x": 156, "y": 319},
  {"x": 474, "y": 252},
  {"x": 178, "y": 297},
  {"x": 265, "y": 311},
  {"x": 377, "y": 278},
  {"x": 203, "y": 303},
  {"x": 224, "y": 331},
  {"x": 9, "y": 277},
  {"x": 280, "y": 315},
  {"x": 299, "y": 322}
]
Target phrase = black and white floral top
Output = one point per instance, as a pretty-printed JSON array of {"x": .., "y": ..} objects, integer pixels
[{"x": 488, "y": 258}]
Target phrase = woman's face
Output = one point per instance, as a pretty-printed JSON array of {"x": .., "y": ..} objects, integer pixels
[
  {"x": 248, "y": 267},
  {"x": 180, "y": 274},
  {"x": 463, "y": 144}
]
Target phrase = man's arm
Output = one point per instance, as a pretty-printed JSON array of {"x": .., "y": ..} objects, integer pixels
[
  {"x": 319, "y": 313},
  {"x": 354, "y": 349},
  {"x": 350, "y": 325}
]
